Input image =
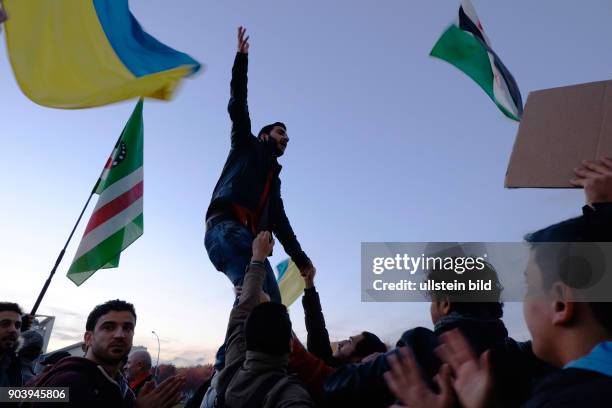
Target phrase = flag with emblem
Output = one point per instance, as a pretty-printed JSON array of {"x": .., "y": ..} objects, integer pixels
[
  {"x": 117, "y": 219},
  {"x": 466, "y": 46}
]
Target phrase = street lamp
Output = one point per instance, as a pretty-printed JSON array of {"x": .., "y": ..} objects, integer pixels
[{"x": 158, "y": 347}]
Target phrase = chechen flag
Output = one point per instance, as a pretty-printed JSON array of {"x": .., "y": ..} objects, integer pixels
[
  {"x": 117, "y": 220},
  {"x": 465, "y": 45}
]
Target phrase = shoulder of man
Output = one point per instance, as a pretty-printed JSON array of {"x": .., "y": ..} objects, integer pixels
[
  {"x": 69, "y": 369},
  {"x": 85, "y": 379},
  {"x": 572, "y": 387},
  {"x": 288, "y": 392}
]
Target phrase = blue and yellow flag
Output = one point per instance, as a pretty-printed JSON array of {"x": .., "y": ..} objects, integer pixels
[
  {"x": 85, "y": 53},
  {"x": 290, "y": 282}
]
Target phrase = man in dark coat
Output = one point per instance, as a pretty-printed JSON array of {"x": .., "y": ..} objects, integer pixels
[
  {"x": 10, "y": 326},
  {"x": 95, "y": 380},
  {"x": 247, "y": 198}
]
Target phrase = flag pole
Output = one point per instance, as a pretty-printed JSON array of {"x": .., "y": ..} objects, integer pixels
[{"x": 62, "y": 252}]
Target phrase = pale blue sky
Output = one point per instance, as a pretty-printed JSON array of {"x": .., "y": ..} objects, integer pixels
[{"x": 387, "y": 144}]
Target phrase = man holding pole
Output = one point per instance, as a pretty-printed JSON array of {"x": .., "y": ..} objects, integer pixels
[{"x": 247, "y": 199}]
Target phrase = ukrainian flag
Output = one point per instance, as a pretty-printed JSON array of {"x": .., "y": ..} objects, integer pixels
[
  {"x": 84, "y": 53},
  {"x": 290, "y": 282}
]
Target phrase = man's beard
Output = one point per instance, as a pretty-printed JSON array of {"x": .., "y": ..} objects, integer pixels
[
  {"x": 105, "y": 357},
  {"x": 274, "y": 147},
  {"x": 9, "y": 344}
]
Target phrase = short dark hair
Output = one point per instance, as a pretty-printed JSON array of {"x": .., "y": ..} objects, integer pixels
[
  {"x": 369, "y": 344},
  {"x": 481, "y": 304},
  {"x": 268, "y": 329},
  {"x": 553, "y": 259},
  {"x": 10, "y": 307},
  {"x": 110, "y": 306},
  {"x": 268, "y": 128}
]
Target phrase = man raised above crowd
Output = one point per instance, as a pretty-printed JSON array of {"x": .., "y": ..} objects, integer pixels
[{"x": 247, "y": 198}]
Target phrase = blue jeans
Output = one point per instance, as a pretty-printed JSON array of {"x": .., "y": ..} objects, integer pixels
[{"x": 229, "y": 244}]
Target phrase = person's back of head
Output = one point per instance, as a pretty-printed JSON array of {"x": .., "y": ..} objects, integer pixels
[{"x": 268, "y": 329}]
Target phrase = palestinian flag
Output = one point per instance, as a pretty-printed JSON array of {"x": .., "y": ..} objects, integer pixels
[
  {"x": 117, "y": 220},
  {"x": 465, "y": 45}
]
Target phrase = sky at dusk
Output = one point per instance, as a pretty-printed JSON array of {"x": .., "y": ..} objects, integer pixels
[{"x": 386, "y": 144}]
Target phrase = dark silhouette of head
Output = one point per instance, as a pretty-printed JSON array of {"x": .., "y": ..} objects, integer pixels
[{"x": 268, "y": 329}]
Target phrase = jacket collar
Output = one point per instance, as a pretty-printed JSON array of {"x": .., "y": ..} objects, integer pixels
[
  {"x": 598, "y": 360},
  {"x": 140, "y": 379}
]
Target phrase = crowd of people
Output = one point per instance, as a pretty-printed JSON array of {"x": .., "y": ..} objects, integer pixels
[{"x": 467, "y": 360}]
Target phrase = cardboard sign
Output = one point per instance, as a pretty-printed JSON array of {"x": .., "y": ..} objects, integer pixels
[{"x": 560, "y": 128}]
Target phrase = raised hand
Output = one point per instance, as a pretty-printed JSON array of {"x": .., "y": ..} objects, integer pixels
[
  {"x": 3, "y": 15},
  {"x": 165, "y": 395},
  {"x": 262, "y": 246},
  {"x": 243, "y": 42},
  {"x": 596, "y": 179},
  {"x": 406, "y": 383},
  {"x": 473, "y": 377},
  {"x": 308, "y": 273}
]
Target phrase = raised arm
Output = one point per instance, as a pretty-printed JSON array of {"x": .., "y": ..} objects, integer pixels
[
  {"x": 318, "y": 337},
  {"x": 250, "y": 297},
  {"x": 238, "y": 108}
]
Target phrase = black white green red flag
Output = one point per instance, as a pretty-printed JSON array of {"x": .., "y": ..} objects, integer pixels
[
  {"x": 117, "y": 219},
  {"x": 465, "y": 45}
]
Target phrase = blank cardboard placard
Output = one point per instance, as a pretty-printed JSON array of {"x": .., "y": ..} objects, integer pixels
[{"x": 560, "y": 128}]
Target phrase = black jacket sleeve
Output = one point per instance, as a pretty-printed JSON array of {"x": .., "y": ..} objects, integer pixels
[
  {"x": 318, "y": 338},
  {"x": 282, "y": 228},
  {"x": 237, "y": 107},
  {"x": 361, "y": 385},
  {"x": 598, "y": 221}
]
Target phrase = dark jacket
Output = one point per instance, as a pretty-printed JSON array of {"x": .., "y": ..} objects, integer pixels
[
  {"x": 89, "y": 385},
  {"x": 312, "y": 370},
  {"x": 317, "y": 340},
  {"x": 573, "y": 388},
  {"x": 10, "y": 371},
  {"x": 246, "y": 371},
  {"x": 246, "y": 170},
  {"x": 363, "y": 385}
]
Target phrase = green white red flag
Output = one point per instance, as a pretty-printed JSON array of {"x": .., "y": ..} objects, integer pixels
[
  {"x": 117, "y": 219},
  {"x": 465, "y": 45}
]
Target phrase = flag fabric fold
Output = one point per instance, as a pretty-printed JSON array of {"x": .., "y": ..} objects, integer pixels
[
  {"x": 465, "y": 45},
  {"x": 290, "y": 282},
  {"x": 117, "y": 219},
  {"x": 86, "y": 53}
]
